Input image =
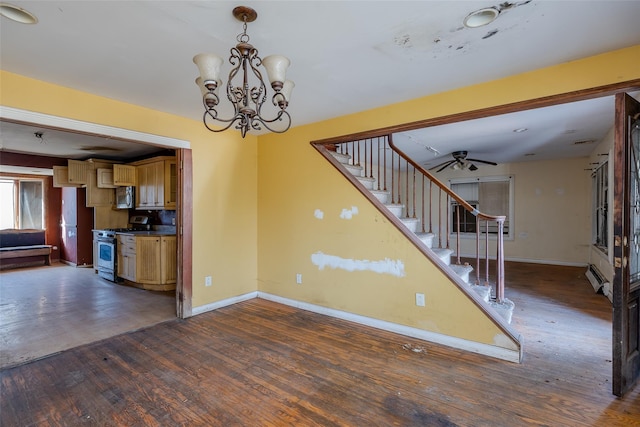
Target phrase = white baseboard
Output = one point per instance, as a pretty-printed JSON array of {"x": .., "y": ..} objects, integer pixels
[
  {"x": 223, "y": 303},
  {"x": 458, "y": 343}
]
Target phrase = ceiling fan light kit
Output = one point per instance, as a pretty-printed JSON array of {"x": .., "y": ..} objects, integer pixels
[{"x": 247, "y": 101}]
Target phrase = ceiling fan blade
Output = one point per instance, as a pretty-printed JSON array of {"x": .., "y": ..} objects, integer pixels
[
  {"x": 483, "y": 161},
  {"x": 472, "y": 167},
  {"x": 444, "y": 165}
]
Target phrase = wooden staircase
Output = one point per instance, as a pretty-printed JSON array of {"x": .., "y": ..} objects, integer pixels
[{"x": 412, "y": 224}]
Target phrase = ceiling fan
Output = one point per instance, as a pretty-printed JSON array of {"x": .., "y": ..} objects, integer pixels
[{"x": 460, "y": 161}]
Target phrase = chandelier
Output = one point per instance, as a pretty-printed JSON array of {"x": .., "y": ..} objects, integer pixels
[{"x": 247, "y": 100}]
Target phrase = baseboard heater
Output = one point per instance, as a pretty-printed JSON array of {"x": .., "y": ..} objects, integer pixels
[{"x": 599, "y": 283}]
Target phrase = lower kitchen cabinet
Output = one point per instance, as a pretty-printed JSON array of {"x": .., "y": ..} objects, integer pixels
[
  {"x": 148, "y": 262},
  {"x": 126, "y": 257}
]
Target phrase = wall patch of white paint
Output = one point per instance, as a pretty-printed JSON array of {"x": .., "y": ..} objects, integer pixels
[
  {"x": 385, "y": 266},
  {"x": 318, "y": 214},
  {"x": 349, "y": 213}
]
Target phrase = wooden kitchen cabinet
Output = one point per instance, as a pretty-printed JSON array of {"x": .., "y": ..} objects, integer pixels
[
  {"x": 77, "y": 172},
  {"x": 148, "y": 262},
  {"x": 168, "y": 257},
  {"x": 97, "y": 196},
  {"x": 124, "y": 175},
  {"x": 61, "y": 177},
  {"x": 156, "y": 183},
  {"x": 127, "y": 257},
  {"x": 105, "y": 178}
]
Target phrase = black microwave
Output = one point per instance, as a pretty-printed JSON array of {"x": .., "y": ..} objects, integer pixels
[{"x": 125, "y": 197}]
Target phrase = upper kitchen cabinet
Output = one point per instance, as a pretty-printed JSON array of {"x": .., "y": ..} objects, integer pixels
[
  {"x": 78, "y": 170},
  {"x": 97, "y": 195},
  {"x": 105, "y": 178},
  {"x": 61, "y": 177},
  {"x": 124, "y": 175},
  {"x": 156, "y": 183}
]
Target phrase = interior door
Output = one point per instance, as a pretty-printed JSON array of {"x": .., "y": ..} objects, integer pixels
[{"x": 626, "y": 251}]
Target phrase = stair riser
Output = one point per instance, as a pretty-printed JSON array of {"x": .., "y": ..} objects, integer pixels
[
  {"x": 357, "y": 171},
  {"x": 382, "y": 196},
  {"x": 368, "y": 183},
  {"x": 396, "y": 210},
  {"x": 342, "y": 158},
  {"x": 411, "y": 224}
]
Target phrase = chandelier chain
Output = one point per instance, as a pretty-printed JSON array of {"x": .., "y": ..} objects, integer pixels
[{"x": 243, "y": 37}]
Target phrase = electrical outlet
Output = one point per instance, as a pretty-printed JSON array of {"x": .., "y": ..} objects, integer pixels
[
  {"x": 299, "y": 279},
  {"x": 420, "y": 300},
  {"x": 207, "y": 281}
]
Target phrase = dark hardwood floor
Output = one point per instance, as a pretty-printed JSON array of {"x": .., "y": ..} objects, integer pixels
[{"x": 258, "y": 363}]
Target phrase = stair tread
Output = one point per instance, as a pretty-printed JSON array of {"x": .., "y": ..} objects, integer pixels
[
  {"x": 461, "y": 268},
  {"x": 342, "y": 158}
]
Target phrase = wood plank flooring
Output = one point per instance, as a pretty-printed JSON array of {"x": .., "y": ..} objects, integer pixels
[
  {"x": 258, "y": 363},
  {"x": 44, "y": 310}
]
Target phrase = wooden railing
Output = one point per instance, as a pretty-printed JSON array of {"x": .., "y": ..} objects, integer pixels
[{"x": 433, "y": 203}]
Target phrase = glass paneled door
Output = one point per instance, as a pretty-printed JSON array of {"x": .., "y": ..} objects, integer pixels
[{"x": 626, "y": 247}]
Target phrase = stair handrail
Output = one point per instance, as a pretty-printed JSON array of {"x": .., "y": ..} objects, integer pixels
[
  {"x": 463, "y": 203},
  {"x": 499, "y": 219}
]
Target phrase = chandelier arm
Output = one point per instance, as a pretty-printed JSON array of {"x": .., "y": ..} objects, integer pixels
[
  {"x": 230, "y": 122},
  {"x": 279, "y": 117}
]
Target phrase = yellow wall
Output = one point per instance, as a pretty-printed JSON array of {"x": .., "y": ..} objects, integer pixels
[
  {"x": 294, "y": 181},
  {"x": 224, "y": 178}
]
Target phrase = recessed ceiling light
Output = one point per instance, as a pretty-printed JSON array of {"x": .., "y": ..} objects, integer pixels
[
  {"x": 17, "y": 14},
  {"x": 481, "y": 17},
  {"x": 520, "y": 130}
]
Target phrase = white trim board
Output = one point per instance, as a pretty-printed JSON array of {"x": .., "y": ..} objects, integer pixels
[
  {"x": 58, "y": 122},
  {"x": 458, "y": 343},
  {"x": 223, "y": 303}
]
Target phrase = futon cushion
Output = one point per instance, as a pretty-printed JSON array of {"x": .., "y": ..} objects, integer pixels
[{"x": 11, "y": 237}]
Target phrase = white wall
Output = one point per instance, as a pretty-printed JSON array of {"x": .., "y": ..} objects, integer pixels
[{"x": 552, "y": 210}]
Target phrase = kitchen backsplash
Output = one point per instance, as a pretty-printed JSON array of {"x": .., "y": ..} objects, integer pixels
[{"x": 163, "y": 217}]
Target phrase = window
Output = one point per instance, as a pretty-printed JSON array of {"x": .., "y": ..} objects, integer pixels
[
  {"x": 600, "y": 188},
  {"x": 489, "y": 195},
  {"x": 22, "y": 203}
]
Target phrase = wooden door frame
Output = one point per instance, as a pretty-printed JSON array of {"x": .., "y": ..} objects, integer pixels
[{"x": 184, "y": 233}]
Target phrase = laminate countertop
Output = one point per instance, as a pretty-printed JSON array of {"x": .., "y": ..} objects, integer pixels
[{"x": 147, "y": 233}]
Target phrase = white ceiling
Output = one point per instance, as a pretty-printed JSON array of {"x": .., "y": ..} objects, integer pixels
[{"x": 346, "y": 56}]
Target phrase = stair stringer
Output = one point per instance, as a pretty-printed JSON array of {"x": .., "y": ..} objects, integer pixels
[{"x": 464, "y": 287}]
